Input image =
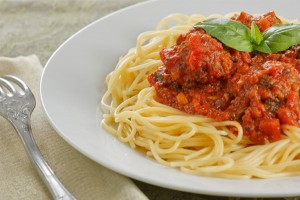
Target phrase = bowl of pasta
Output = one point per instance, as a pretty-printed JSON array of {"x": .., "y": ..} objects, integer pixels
[{"x": 191, "y": 96}]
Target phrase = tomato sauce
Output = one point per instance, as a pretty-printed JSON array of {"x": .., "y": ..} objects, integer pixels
[
  {"x": 200, "y": 75},
  {"x": 263, "y": 22}
]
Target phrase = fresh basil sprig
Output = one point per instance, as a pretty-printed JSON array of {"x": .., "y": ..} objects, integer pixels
[{"x": 236, "y": 35}]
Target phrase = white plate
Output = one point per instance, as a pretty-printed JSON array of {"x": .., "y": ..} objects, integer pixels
[{"x": 73, "y": 79}]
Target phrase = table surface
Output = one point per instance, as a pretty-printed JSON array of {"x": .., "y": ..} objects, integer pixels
[{"x": 41, "y": 26}]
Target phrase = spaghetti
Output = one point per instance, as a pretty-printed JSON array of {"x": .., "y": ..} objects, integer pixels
[{"x": 193, "y": 143}]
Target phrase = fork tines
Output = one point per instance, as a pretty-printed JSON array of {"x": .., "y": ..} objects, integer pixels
[{"x": 6, "y": 84}]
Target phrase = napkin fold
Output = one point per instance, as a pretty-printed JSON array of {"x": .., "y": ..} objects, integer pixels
[{"x": 83, "y": 177}]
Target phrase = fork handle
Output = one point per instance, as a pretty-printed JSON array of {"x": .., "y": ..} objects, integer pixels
[{"x": 57, "y": 189}]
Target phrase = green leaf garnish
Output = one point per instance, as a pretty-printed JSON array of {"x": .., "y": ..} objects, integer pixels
[
  {"x": 256, "y": 36},
  {"x": 231, "y": 33},
  {"x": 234, "y": 34},
  {"x": 264, "y": 48},
  {"x": 280, "y": 37}
]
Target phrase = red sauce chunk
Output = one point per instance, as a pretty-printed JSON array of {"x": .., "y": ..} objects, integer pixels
[{"x": 202, "y": 76}]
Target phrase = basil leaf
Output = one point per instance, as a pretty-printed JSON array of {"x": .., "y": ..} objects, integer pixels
[
  {"x": 231, "y": 33},
  {"x": 256, "y": 36},
  {"x": 280, "y": 37},
  {"x": 263, "y": 47}
]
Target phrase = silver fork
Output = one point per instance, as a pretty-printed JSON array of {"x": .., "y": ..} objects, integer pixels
[{"x": 16, "y": 105}]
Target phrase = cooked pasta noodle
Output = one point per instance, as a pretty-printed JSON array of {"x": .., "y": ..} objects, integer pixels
[{"x": 192, "y": 143}]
